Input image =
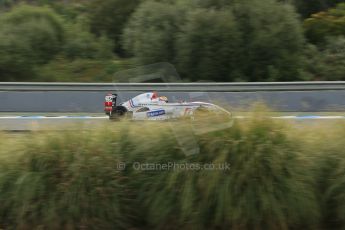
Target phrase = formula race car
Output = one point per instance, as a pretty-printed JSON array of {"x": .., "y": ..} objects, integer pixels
[{"x": 150, "y": 106}]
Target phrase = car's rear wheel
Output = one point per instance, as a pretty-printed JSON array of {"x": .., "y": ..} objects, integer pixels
[{"x": 119, "y": 112}]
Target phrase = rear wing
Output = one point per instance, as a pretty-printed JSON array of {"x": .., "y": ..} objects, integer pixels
[{"x": 110, "y": 103}]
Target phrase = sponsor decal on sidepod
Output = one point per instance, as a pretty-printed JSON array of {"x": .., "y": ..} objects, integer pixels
[{"x": 156, "y": 113}]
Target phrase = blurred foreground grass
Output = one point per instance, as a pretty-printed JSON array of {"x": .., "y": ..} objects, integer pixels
[{"x": 280, "y": 177}]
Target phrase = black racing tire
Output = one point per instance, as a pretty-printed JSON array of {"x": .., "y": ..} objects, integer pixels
[{"x": 119, "y": 112}]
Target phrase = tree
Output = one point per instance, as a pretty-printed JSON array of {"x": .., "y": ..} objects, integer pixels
[
  {"x": 259, "y": 42},
  {"x": 213, "y": 4},
  {"x": 207, "y": 47},
  {"x": 80, "y": 43},
  {"x": 41, "y": 27},
  {"x": 16, "y": 58},
  {"x": 109, "y": 18},
  {"x": 151, "y": 32},
  {"x": 334, "y": 57},
  {"x": 326, "y": 63},
  {"x": 30, "y": 36},
  {"x": 272, "y": 40},
  {"x": 324, "y": 24},
  {"x": 309, "y": 7}
]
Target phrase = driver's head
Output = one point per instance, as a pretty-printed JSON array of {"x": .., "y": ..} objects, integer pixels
[{"x": 163, "y": 98}]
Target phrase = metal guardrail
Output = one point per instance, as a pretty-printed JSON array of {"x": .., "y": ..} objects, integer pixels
[{"x": 175, "y": 87}]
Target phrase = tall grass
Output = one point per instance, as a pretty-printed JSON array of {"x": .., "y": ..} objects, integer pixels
[
  {"x": 63, "y": 181},
  {"x": 325, "y": 147},
  {"x": 279, "y": 178},
  {"x": 267, "y": 186}
]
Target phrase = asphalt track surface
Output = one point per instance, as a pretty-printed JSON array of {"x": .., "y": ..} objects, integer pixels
[{"x": 68, "y": 122}]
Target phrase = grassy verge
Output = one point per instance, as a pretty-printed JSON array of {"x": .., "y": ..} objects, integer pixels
[{"x": 260, "y": 174}]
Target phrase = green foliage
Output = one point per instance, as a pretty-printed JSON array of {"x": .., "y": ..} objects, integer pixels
[
  {"x": 326, "y": 63},
  {"x": 30, "y": 36},
  {"x": 207, "y": 40},
  {"x": 5, "y": 3},
  {"x": 275, "y": 181},
  {"x": 109, "y": 18},
  {"x": 325, "y": 24},
  {"x": 271, "y": 45},
  {"x": 207, "y": 47},
  {"x": 24, "y": 13},
  {"x": 325, "y": 150},
  {"x": 217, "y": 46},
  {"x": 66, "y": 181},
  {"x": 151, "y": 33},
  {"x": 70, "y": 11},
  {"x": 308, "y": 7},
  {"x": 16, "y": 58},
  {"x": 333, "y": 204},
  {"x": 213, "y": 4},
  {"x": 266, "y": 187},
  {"x": 63, "y": 69},
  {"x": 80, "y": 43}
]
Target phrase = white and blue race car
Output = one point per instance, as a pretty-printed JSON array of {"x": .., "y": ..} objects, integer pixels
[{"x": 150, "y": 106}]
